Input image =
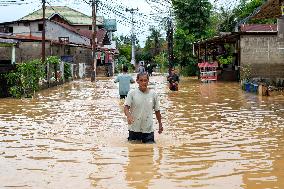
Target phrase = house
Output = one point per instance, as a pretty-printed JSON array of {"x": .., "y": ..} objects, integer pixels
[
  {"x": 259, "y": 46},
  {"x": 68, "y": 35},
  {"x": 256, "y": 46}
]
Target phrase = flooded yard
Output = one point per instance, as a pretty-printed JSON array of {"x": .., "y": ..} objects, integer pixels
[{"x": 74, "y": 136}]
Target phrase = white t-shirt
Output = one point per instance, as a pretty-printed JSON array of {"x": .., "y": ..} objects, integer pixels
[{"x": 141, "y": 108}]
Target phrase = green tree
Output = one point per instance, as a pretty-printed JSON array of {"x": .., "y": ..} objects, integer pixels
[
  {"x": 183, "y": 52},
  {"x": 193, "y": 22},
  {"x": 193, "y": 16},
  {"x": 153, "y": 45},
  {"x": 124, "y": 48}
]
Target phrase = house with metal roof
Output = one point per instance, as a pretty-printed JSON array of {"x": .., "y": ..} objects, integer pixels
[
  {"x": 255, "y": 46},
  {"x": 65, "y": 28},
  {"x": 59, "y": 13}
]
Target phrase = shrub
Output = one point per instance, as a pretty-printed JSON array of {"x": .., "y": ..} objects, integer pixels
[
  {"x": 67, "y": 71},
  {"x": 25, "y": 79}
]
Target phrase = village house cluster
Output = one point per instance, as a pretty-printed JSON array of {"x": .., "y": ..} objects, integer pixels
[
  {"x": 255, "y": 52},
  {"x": 68, "y": 36}
]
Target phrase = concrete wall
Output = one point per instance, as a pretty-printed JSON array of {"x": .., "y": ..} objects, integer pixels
[
  {"x": 32, "y": 50},
  {"x": 265, "y": 55},
  {"x": 82, "y": 55},
  {"x": 25, "y": 52},
  {"x": 53, "y": 32}
]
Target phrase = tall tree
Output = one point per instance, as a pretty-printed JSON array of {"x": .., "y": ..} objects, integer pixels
[
  {"x": 154, "y": 44},
  {"x": 124, "y": 48},
  {"x": 193, "y": 22},
  {"x": 193, "y": 16}
]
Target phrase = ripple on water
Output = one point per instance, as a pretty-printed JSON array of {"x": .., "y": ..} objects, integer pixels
[{"x": 216, "y": 137}]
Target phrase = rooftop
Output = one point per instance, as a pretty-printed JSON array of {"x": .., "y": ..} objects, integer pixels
[
  {"x": 72, "y": 16},
  {"x": 258, "y": 28},
  {"x": 269, "y": 9}
]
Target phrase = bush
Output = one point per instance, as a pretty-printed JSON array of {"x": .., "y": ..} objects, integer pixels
[
  {"x": 123, "y": 61},
  {"x": 189, "y": 70},
  {"x": 223, "y": 60},
  {"x": 67, "y": 71},
  {"x": 25, "y": 79}
]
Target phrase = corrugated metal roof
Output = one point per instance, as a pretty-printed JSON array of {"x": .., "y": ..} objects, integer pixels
[
  {"x": 101, "y": 34},
  {"x": 72, "y": 16},
  {"x": 258, "y": 28}
]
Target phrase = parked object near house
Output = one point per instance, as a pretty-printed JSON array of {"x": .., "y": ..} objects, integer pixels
[{"x": 208, "y": 71}]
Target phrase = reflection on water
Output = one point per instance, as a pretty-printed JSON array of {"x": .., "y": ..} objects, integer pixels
[{"x": 74, "y": 136}]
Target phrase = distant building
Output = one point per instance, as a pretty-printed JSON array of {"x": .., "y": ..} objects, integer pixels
[
  {"x": 68, "y": 33},
  {"x": 255, "y": 45}
]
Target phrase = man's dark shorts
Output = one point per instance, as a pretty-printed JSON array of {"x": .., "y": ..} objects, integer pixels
[
  {"x": 144, "y": 137},
  {"x": 123, "y": 96}
]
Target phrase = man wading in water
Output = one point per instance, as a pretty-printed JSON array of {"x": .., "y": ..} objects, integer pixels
[{"x": 139, "y": 106}]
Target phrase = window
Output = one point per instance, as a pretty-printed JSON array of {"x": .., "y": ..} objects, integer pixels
[
  {"x": 63, "y": 39},
  {"x": 90, "y": 27},
  {"x": 40, "y": 27},
  {"x": 10, "y": 29}
]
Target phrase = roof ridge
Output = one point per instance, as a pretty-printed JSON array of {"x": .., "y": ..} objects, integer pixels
[{"x": 72, "y": 10}]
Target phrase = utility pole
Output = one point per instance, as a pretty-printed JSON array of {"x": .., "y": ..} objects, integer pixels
[
  {"x": 133, "y": 37},
  {"x": 170, "y": 43},
  {"x": 94, "y": 40},
  {"x": 43, "y": 40}
]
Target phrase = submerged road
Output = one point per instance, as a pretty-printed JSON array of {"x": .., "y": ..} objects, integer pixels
[{"x": 74, "y": 136}]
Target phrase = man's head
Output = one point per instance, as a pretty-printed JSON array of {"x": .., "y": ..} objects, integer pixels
[
  {"x": 125, "y": 68},
  {"x": 173, "y": 71},
  {"x": 142, "y": 80}
]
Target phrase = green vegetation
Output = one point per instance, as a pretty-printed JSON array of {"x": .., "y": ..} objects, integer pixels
[
  {"x": 53, "y": 60},
  {"x": 225, "y": 60},
  {"x": 246, "y": 72},
  {"x": 67, "y": 71},
  {"x": 24, "y": 81},
  {"x": 195, "y": 20},
  {"x": 124, "y": 47},
  {"x": 28, "y": 76}
]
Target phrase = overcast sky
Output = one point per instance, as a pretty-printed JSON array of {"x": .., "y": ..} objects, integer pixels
[{"x": 107, "y": 9}]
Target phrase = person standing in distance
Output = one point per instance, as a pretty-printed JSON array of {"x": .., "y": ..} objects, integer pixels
[
  {"x": 124, "y": 80},
  {"x": 141, "y": 69},
  {"x": 138, "y": 108},
  {"x": 173, "y": 80}
]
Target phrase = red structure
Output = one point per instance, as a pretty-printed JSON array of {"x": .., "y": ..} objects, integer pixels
[{"x": 208, "y": 71}]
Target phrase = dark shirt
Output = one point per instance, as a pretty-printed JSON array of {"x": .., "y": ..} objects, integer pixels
[{"x": 173, "y": 78}]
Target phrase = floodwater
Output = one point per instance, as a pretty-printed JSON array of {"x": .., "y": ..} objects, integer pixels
[{"x": 74, "y": 136}]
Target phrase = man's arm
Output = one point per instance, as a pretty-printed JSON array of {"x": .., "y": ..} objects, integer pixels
[
  {"x": 130, "y": 119},
  {"x": 159, "y": 118}
]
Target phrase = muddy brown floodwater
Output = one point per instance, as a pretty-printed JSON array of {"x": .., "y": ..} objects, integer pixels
[{"x": 74, "y": 136}]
